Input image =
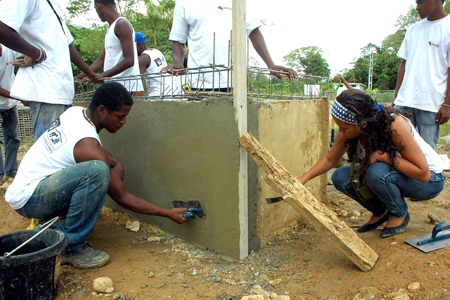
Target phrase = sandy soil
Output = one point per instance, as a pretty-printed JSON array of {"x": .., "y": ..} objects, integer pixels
[{"x": 300, "y": 263}]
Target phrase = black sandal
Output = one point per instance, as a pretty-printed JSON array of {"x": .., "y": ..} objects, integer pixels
[{"x": 369, "y": 227}]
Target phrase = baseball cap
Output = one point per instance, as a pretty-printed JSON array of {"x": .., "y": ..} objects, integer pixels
[{"x": 140, "y": 38}]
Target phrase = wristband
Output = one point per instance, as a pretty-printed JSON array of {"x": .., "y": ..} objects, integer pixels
[
  {"x": 448, "y": 105},
  {"x": 42, "y": 56}
]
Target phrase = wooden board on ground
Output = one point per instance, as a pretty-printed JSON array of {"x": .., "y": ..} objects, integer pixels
[{"x": 322, "y": 218}]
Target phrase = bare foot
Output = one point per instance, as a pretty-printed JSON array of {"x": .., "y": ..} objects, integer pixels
[
  {"x": 374, "y": 219},
  {"x": 394, "y": 222}
]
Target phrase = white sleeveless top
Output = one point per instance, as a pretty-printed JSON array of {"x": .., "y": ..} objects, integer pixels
[
  {"x": 435, "y": 163},
  {"x": 114, "y": 55},
  {"x": 52, "y": 152},
  {"x": 157, "y": 63}
]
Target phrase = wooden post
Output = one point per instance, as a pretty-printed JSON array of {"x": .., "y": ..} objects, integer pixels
[
  {"x": 240, "y": 106},
  {"x": 323, "y": 219}
]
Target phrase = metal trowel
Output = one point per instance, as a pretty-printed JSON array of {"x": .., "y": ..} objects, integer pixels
[
  {"x": 194, "y": 209},
  {"x": 432, "y": 241}
]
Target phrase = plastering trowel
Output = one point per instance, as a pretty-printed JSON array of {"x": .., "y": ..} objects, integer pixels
[
  {"x": 194, "y": 209},
  {"x": 432, "y": 241}
]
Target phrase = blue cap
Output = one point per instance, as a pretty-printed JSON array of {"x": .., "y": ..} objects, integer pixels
[{"x": 140, "y": 38}]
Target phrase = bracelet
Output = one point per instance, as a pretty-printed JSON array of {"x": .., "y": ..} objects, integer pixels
[
  {"x": 448, "y": 105},
  {"x": 42, "y": 56}
]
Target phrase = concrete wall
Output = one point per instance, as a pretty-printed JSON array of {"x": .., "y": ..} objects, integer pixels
[
  {"x": 177, "y": 150},
  {"x": 295, "y": 133}
]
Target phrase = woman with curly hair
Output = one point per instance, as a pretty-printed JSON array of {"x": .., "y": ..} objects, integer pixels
[{"x": 390, "y": 161}]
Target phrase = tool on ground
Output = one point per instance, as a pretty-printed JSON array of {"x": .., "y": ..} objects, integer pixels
[
  {"x": 432, "y": 241},
  {"x": 194, "y": 209}
]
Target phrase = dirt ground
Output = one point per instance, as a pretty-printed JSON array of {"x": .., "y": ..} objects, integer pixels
[{"x": 299, "y": 263}]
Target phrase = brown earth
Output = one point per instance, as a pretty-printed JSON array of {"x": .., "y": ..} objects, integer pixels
[{"x": 308, "y": 266}]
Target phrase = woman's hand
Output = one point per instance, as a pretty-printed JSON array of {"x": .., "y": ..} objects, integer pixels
[{"x": 379, "y": 156}]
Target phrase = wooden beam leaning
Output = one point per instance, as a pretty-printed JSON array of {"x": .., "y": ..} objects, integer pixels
[{"x": 322, "y": 218}]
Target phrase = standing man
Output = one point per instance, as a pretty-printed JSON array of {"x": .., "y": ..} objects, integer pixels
[
  {"x": 423, "y": 84},
  {"x": 68, "y": 173},
  {"x": 8, "y": 111},
  {"x": 206, "y": 25},
  {"x": 37, "y": 29},
  {"x": 151, "y": 60},
  {"x": 119, "y": 57}
]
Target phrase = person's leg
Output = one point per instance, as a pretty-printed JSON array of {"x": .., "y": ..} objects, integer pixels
[
  {"x": 43, "y": 115},
  {"x": 78, "y": 192},
  {"x": 391, "y": 187},
  {"x": 343, "y": 182},
  {"x": 12, "y": 141},
  {"x": 427, "y": 127},
  {"x": 2, "y": 169}
]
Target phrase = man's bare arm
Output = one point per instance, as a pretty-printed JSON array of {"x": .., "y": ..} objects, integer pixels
[
  {"x": 11, "y": 39},
  {"x": 178, "y": 58},
  {"x": 400, "y": 76},
  {"x": 90, "y": 149}
]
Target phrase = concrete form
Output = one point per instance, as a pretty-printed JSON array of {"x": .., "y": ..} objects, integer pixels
[{"x": 182, "y": 150}]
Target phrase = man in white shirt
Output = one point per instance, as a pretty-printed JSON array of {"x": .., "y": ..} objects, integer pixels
[
  {"x": 206, "y": 26},
  {"x": 422, "y": 83},
  {"x": 37, "y": 29},
  {"x": 8, "y": 111},
  {"x": 68, "y": 173},
  {"x": 119, "y": 56}
]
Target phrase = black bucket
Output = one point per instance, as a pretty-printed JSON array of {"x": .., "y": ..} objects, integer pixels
[{"x": 32, "y": 272}]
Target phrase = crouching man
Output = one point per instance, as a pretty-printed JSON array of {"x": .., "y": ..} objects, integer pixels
[{"x": 68, "y": 173}]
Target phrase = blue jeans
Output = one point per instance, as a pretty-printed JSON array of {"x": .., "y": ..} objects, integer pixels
[
  {"x": 76, "y": 192},
  {"x": 43, "y": 115},
  {"x": 391, "y": 187},
  {"x": 12, "y": 142},
  {"x": 424, "y": 122}
]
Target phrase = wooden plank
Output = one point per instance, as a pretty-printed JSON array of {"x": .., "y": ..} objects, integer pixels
[{"x": 322, "y": 218}]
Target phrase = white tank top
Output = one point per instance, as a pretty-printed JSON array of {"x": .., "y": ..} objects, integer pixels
[
  {"x": 114, "y": 55},
  {"x": 435, "y": 163},
  {"x": 157, "y": 63},
  {"x": 52, "y": 152}
]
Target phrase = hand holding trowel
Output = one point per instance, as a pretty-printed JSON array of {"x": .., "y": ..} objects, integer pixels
[{"x": 194, "y": 209}]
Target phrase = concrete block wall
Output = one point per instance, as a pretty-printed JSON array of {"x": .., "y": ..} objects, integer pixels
[{"x": 178, "y": 150}]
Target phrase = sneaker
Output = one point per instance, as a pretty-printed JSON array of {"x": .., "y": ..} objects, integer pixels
[{"x": 85, "y": 258}]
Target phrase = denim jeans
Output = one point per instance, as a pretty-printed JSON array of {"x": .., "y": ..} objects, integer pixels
[
  {"x": 424, "y": 122},
  {"x": 12, "y": 142},
  {"x": 43, "y": 115},
  {"x": 391, "y": 187},
  {"x": 76, "y": 192}
]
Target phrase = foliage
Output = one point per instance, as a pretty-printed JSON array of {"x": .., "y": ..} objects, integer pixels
[{"x": 308, "y": 60}]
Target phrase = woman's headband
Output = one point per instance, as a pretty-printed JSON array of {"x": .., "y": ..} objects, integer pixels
[{"x": 343, "y": 114}]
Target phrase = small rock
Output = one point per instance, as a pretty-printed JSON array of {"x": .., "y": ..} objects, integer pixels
[
  {"x": 154, "y": 239},
  {"x": 354, "y": 219},
  {"x": 151, "y": 275},
  {"x": 133, "y": 226},
  {"x": 94, "y": 294},
  {"x": 257, "y": 290},
  {"x": 103, "y": 285},
  {"x": 253, "y": 297},
  {"x": 401, "y": 294},
  {"x": 273, "y": 295},
  {"x": 185, "y": 285},
  {"x": 116, "y": 297},
  {"x": 431, "y": 264},
  {"x": 368, "y": 293},
  {"x": 275, "y": 282},
  {"x": 433, "y": 219},
  {"x": 282, "y": 297},
  {"x": 414, "y": 286},
  {"x": 161, "y": 285},
  {"x": 171, "y": 266},
  {"x": 343, "y": 213}
]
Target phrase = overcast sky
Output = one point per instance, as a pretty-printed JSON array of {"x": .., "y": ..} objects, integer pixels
[{"x": 340, "y": 28}]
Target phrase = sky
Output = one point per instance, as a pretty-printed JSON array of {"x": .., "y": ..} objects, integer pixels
[{"x": 340, "y": 28}]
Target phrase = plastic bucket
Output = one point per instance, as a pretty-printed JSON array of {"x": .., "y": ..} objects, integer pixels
[{"x": 32, "y": 272}]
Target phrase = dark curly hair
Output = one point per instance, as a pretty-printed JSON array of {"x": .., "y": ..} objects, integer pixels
[
  {"x": 111, "y": 95},
  {"x": 375, "y": 126}
]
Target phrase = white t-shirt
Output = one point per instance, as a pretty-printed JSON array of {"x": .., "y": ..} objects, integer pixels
[
  {"x": 435, "y": 163},
  {"x": 114, "y": 55},
  {"x": 50, "y": 81},
  {"x": 52, "y": 152},
  {"x": 7, "y": 77},
  {"x": 426, "y": 49},
  {"x": 196, "y": 21},
  {"x": 158, "y": 62}
]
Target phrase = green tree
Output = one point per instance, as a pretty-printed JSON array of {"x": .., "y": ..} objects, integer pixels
[{"x": 308, "y": 60}]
